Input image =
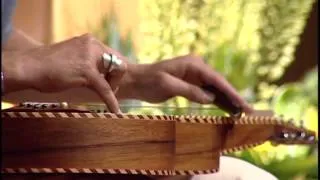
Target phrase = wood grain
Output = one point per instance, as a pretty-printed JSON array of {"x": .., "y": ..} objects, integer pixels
[
  {"x": 109, "y": 143},
  {"x": 41, "y": 134},
  {"x": 243, "y": 134},
  {"x": 197, "y": 146},
  {"x": 90, "y": 143}
]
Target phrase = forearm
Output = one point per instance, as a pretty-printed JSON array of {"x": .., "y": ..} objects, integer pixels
[{"x": 14, "y": 62}]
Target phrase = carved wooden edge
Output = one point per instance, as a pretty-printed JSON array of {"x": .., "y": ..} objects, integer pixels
[
  {"x": 81, "y": 115},
  {"x": 240, "y": 148},
  {"x": 106, "y": 171},
  {"x": 263, "y": 120},
  {"x": 216, "y": 120},
  {"x": 254, "y": 120}
]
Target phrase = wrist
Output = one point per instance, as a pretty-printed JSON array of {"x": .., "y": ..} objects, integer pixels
[
  {"x": 130, "y": 81},
  {"x": 14, "y": 70}
]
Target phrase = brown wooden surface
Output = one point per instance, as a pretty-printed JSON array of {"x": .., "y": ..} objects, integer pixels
[
  {"x": 102, "y": 143},
  {"x": 90, "y": 177},
  {"x": 147, "y": 143},
  {"x": 197, "y": 146},
  {"x": 246, "y": 134},
  {"x": 77, "y": 177},
  {"x": 90, "y": 143}
]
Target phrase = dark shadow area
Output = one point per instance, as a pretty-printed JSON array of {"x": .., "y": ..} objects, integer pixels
[{"x": 306, "y": 55}]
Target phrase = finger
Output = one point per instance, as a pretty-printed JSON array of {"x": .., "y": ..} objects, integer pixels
[
  {"x": 178, "y": 87},
  {"x": 115, "y": 76},
  {"x": 211, "y": 77},
  {"x": 104, "y": 49},
  {"x": 101, "y": 86}
]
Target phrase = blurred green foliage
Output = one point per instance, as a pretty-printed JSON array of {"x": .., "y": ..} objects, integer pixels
[
  {"x": 297, "y": 101},
  {"x": 251, "y": 43}
]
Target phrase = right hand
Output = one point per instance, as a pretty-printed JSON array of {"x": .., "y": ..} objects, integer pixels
[
  {"x": 179, "y": 76},
  {"x": 73, "y": 63}
]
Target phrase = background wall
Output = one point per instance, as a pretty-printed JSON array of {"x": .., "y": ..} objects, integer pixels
[
  {"x": 34, "y": 17},
  {"x": 56, "y": 20}
]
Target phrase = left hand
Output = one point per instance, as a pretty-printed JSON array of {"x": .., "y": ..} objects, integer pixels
[
  {"x": 181, "y": 76},
  {"x": 73, "y": 63}
]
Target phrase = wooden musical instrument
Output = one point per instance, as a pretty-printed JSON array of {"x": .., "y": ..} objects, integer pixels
[{"x": 57, "y": 138}]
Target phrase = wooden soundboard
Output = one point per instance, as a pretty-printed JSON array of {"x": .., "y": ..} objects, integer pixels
[{"x": 54, "y": 138}]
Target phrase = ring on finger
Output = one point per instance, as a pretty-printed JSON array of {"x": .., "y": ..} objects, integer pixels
[{"x": 111, "y": 62}]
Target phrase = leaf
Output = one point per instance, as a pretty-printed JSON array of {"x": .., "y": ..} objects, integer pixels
[
  {"x": 293, "y": 166},
  {"x": 247, "y": 156},
  {"x": 310, "y": 119},
  {"x": 289, "y": 102}
]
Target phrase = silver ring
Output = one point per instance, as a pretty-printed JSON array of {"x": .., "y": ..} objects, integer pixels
[{"x": 111, "y": 61}]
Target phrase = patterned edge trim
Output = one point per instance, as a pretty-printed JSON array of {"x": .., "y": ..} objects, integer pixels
[
  {"x": 240, "y": 148},
  {"x": 35, "y": 114},
  {"x": 216, "y": 120},
  {"x": 106, "y": 171},
  {"x": 263, "y": 120}
]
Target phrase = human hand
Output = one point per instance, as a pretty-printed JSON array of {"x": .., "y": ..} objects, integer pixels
[
  {"x": 73, "y": 63},
  {"x": 181, "y": 76}
]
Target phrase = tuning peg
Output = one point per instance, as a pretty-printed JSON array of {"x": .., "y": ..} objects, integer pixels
[
  {"x": 302, "y": 135},
  {"x": 311, "y": 138},
  {"x": 64, "y": 105},
  {"x": 54, "y": 105},
  {"x": 284, "y": 135},
  {"x": 37, "y": 106},
  {"x": 43, "y": 106},
  {"x": 293, "y": 135}
]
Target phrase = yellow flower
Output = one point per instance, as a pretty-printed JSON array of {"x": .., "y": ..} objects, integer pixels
[{"x": 310, "y": 119}]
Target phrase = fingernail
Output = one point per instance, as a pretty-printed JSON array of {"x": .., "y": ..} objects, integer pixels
[
  {"x": 249, "y": 109},
  {"x": 209, "y": 97},
  {"x": 119, "y": 112}
]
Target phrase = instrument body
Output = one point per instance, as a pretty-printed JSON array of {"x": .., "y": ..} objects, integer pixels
[{"x": 71, "y": 141}]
